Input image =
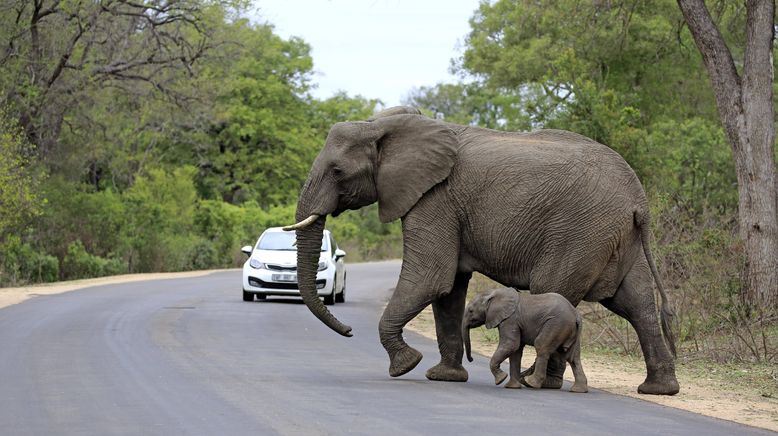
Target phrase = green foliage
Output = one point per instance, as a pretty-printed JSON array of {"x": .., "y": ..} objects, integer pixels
[
  {"x": 160, "y": 210},
  {"x": 692, "y": 161},
  {"x": 21, "y": 263},
  {"x": 632, "y": 47},
  {"x": 18, "y": 182},
  {"x": 474, "y": 104},
  {"x": 79, "y": 264},
  {"x": 249, "y": 143}
]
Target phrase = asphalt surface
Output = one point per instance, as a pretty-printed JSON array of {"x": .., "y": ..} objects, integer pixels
[{"x": 187, "y": 356}]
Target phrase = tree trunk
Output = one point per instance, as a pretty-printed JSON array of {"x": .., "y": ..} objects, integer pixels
[{"x": 746, "y": 111}]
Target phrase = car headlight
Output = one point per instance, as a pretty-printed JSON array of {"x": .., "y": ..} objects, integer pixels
[
  {"x": 322, "y": 266},
  {"x": 254, "y": 263}
]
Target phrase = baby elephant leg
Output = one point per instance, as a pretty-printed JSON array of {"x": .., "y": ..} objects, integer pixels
[
  {"x": 504, "y": 349},
  {"x": 544, "y": 346},
  {"x": 494, "y": 365},
  {"x": 515, "y": 361}
]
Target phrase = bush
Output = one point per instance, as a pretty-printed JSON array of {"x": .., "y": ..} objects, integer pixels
[
  {"x": 79, "y": 264},
  {"x": 700, "y": 259},
  {"x": 20, "y": 263},
  {"x": 159, "y": 231}
]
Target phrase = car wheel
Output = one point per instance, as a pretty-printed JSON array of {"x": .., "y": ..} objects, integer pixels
[
  {"x": 248, "y": 296},
  {"x": 329, "y": 300},
  {"x": 341, "y": 297},
  {"x": 261, "y": 297}
]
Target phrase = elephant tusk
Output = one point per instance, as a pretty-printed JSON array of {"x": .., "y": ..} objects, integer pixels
[{"x": 302, "y": 224}]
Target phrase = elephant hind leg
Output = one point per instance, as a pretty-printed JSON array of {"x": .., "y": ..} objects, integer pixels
[
  {"x": 581, "y": 384},
  {"x": 448, "y": 311},
  {"x": 635, "y": 302}
]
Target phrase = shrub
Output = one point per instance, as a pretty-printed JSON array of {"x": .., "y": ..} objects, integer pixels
[
  {"x": 79, "y": 264},
  {"x": 20, "y": 263}
]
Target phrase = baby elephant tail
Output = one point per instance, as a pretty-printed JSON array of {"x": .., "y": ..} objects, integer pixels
[{"x": 570, "y": 342}]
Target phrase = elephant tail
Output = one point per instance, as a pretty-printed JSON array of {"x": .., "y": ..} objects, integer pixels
[
  {"x": 570, "y": 342},
  {"x": 666, "y": 313}
]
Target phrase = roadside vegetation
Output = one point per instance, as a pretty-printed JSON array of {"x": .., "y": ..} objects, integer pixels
[{"x": 136, "y": 137}]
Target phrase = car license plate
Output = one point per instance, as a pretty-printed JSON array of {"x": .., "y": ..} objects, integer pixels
[{"x": 284, "y": 277}]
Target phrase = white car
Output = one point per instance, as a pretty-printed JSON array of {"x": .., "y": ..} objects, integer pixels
[{"x": 271, "y": 268}]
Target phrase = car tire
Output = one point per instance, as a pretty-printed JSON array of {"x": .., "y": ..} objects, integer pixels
[
  {"x": 261, "y": 297},
  {"x": 248, "y": 296},
  {"x": 341, "y": 297},
  {"x": 329, "y": 300}
]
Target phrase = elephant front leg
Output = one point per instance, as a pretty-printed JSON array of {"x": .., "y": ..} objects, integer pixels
[
  {"x": 448, "y": 311},
  {"x": 404, "y": 305},
  {"x": 503, "y": 351},
  {"x": 515, "y": 361},
  {"x": 508, "y": 345}
]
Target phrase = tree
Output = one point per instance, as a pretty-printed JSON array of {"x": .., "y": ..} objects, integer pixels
[
  {"x": 258, "y": 143},
  {"x": 56, "y": 54},
  {"x": 18, "y": 199},
  {"x": 745, "y": 105},
  {"x": 473, "y": 103}
]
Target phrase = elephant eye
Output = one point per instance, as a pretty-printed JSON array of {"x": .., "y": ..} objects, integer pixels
[{"x": 337, "y": 172}]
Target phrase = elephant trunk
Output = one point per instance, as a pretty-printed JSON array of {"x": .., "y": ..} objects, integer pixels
[
  {"x": 466, "y": 340},
  {"x": 308, "y": 250},
  {"x": 312, "y": 209}
]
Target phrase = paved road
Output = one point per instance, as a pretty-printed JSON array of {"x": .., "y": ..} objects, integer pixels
[{"x": 187, "y": 356}]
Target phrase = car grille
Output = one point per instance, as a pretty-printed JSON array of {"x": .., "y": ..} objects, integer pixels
[
  {"x": 253, "y": 281},
  {"x": 272, "y": 267}
]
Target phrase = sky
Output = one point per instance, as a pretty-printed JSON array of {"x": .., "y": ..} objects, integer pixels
[{"x": 374, "y": 48}]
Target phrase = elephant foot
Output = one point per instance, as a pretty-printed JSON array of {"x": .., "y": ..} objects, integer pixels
[
  {"x": 500, "y": 376},
  {"x": 533, "y": 381},
  {"x": 579, "y": 388},
  {"x": 445, "y": 372},
  {"x": 551, "y": 381},
  {"x": 403, "y": 361},
  {"x": 513, "y": 384},
  {"x": 657, "y": 387}
]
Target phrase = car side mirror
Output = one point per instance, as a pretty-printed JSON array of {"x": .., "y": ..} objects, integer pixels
[
  {"x": 339, "y": 253},
  {"x": 247, "y": 249}
]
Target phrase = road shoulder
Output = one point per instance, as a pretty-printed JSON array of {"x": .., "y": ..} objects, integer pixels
[{"x": 10, "y": 296}]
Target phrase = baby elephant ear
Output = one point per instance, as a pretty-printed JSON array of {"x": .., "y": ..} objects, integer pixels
[
  {"x": 415, "y": 153},
  {"x": 502, "y": 305}
]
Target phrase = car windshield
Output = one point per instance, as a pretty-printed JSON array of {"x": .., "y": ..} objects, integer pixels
[{"x": 283, "y": 241}]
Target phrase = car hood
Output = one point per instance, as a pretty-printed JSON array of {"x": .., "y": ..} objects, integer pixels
[{"x": 280, "y": 257}]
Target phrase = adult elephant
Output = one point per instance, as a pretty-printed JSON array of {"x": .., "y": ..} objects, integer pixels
[{"x": 548, "y": 211}]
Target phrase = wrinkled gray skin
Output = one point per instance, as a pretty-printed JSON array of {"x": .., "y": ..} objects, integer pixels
[
  {"x": 548, "y": 211},
  {"x": 546, "y": 321}
]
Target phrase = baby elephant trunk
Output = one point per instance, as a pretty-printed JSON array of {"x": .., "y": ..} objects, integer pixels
[{"x": 466, "y": 340}]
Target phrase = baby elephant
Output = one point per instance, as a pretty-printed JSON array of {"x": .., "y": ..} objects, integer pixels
[{"x": 547, "y": 321}]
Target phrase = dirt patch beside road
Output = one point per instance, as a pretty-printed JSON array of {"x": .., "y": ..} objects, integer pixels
[
  {"x": 706, "y": 393},
  {"x": 9, "y": 296}
]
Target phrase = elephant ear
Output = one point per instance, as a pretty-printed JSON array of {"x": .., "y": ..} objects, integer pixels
[
  {"x": 501, "y": 305},
  {"x": 415, "y": 153}
]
